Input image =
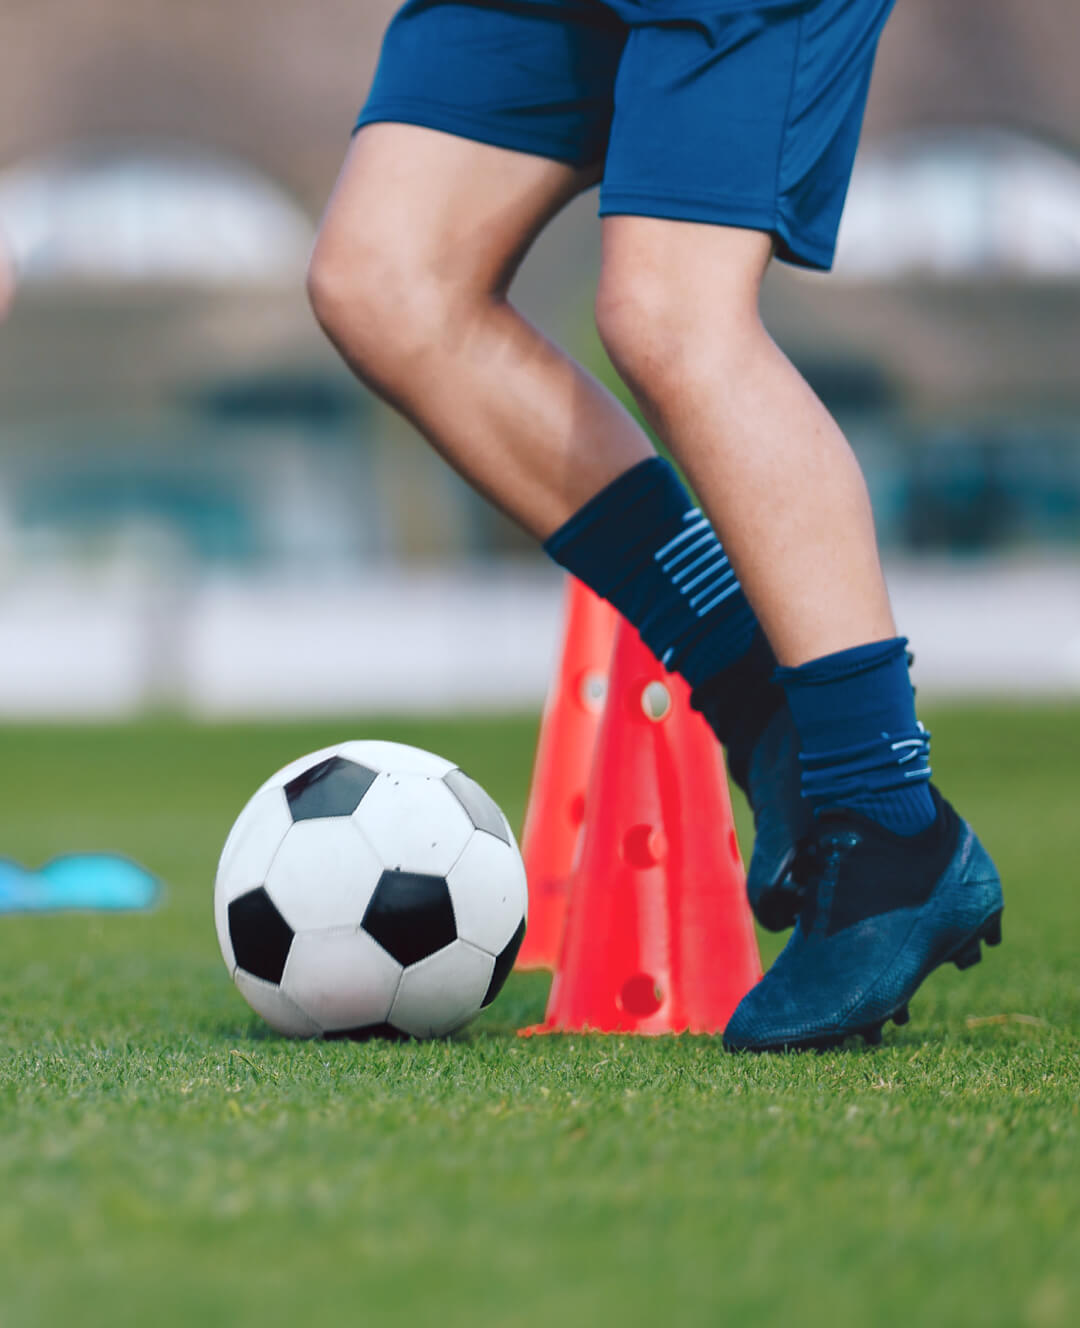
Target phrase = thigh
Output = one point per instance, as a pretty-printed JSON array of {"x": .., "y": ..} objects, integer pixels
[
  {"x": 536, "y": 76},
  {"x": 748, "y": 118},
  {"x": 418, "y": 201}
]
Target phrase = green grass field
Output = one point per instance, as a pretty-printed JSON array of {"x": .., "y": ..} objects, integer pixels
[{"x": 166, "y": 1160}]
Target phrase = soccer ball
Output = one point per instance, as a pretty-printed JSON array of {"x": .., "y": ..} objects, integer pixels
[{"x": 370, "y": 888}]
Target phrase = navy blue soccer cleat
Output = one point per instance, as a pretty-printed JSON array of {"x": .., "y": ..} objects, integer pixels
[
  {"x": 782, "y": 818},
  {"x": 880, "y": 912}
]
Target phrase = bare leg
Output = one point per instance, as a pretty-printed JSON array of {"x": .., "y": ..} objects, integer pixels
[
  {"x": 678, "y": 312},
  {"x": 409, "y": 278}
]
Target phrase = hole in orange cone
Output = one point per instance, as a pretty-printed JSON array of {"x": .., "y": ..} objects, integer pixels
[
  {"x": 656, "y": 702},
  {"x": 576, "y": 810},
  {"x": 644, "y": 846},
  {"x": 640, "y": 995},
  {"x": 592, "y": 690}
]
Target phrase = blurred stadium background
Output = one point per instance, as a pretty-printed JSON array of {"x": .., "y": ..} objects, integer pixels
[{"x": 200, "y": 511}]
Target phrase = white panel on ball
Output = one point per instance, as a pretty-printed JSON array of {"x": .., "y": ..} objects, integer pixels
[
  {"x": 396, "y": 756},
  {"x": 488, "y": 888},
  {"x": 323, "y": 875},
  {"x": 342, "y": 978},
  {"x": 252, "y": 843},
  {"x": 274, "y": 1005},
  {"x": 414, "y": 823},
  {"x": 246, "y": 857},
  {"x": 442, "y": 992},
  {"x": 281, "y": 777}
]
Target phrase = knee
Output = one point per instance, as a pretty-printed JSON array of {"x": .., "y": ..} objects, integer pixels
[
  {"x": 659, "y": 332},
  {"x": 377, "y": 304},
  {"x": 635, "y": 323}
]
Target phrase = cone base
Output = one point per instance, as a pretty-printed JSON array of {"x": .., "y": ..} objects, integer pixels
[{"x": 548, "y": 1029}]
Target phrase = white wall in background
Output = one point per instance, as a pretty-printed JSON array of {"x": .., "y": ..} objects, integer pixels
[
  {"x": 961, "y": 201},
  {"x": 422, "y": 642},
  {"x": 448, "y": 640}
]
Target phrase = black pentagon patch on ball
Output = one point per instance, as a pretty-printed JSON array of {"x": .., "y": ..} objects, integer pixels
[
  {"x": 482, "y": 809},
  {"x": 503, "y": 964},
  {"x": 411, "y": 915},
  {"x": 261, "y": 938},
  {"x": 334, "y": 787}
]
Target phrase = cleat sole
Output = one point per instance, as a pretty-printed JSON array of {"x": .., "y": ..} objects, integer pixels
[
  {"x": 968, "y": 955},
  {"x": 871, "y": 1035},
  {"x": 970, "y": 952}
]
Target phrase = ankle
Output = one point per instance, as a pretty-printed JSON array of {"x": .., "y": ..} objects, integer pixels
[{"x": 739, "y": 702}]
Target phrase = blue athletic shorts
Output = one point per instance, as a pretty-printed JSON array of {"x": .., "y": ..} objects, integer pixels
[{"x": 735, "y": 112}]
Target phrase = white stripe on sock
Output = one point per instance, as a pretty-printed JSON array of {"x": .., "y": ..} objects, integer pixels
[
  {"x": 674, "y": 543},
  {"x": 717, "y": 576},
  {"x": 708, "y": 538},
  {"x": 707, "y": 608},
  {"x": 710, "y": 555}
]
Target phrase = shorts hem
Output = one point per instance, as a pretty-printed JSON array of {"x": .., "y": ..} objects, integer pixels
[
  {"x": 792, "y": 246},
  {"x": 451, "y": 120}
]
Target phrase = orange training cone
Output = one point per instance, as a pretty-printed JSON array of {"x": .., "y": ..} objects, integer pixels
[
  {"x": 659, "y": 937},
  {"x": 564, "y": 756}
]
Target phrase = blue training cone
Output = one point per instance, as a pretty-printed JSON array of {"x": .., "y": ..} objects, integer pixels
[
  {"x": 15, "y": 887},
  {"x": 84, "y": 882}
]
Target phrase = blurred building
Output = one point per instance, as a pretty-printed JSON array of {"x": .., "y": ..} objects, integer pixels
[{"x": 183, "y": 462}]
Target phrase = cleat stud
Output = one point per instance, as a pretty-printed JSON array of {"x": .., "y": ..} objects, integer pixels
[
  {"x": 992, "y": 932},
  {"x": 968, "y": 956},
  {"x": 901, "y": 1016},
  {"x": 872, "y": 1035}
]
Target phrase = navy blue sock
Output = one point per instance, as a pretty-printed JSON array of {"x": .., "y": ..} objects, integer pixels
[
  {"x": 862, "y": 746},
  {"x": 642, "y": 545}
]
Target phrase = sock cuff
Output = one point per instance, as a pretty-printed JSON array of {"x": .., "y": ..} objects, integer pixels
[
  {"x": 653, "y": 480},
  {"x": 843, "y": 663}
]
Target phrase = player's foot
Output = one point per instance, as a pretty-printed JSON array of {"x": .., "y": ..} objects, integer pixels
[
  {"x": 880, "y": 913},
  {"x": 782, "y": 818}
]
